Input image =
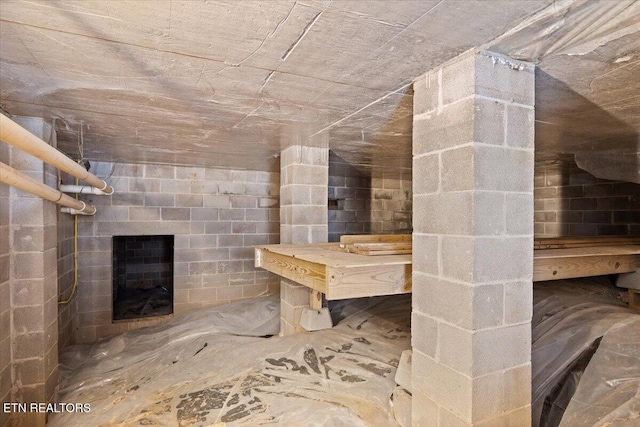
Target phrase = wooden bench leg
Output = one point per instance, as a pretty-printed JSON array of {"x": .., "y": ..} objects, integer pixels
[{"x": 315, "y": 300}]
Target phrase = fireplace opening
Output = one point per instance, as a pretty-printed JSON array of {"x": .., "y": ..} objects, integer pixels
[{"x": 142, "y": 276}]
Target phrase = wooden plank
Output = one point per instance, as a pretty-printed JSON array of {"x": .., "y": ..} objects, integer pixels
[
  {"x": 375, "y": 238},
  {"x": 374, "y": 249},
  {"x": 357, "y": 282},
  {"x": 555, "y": 268},
  {"x": 586, "y": 252},
  {"x": 300, "y": 271},
  {"x": 583, "y": 242},
  {"x": 320, "y": 254}
]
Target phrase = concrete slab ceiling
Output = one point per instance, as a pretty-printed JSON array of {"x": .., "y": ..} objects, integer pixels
[{"x": 230, "y": 83}]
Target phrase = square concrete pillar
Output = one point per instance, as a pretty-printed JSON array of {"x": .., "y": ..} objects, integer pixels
[
  {"x": 473, "y": 167},
  {"x": 304, "y": 180},
  {"x": 33, "y": 283}
]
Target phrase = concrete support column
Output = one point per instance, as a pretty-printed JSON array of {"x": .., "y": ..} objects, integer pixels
[
  {"x": 473, "y": 159},
  {"x": 33, "y": 278},
  {"x": 304, "y": 178}
]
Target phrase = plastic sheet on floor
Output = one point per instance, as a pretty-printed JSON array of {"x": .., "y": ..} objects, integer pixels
[
  {"x": 213, "y": 368},
  {"x": 585, "y": 355}
]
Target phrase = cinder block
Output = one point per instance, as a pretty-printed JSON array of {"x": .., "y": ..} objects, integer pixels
[
  {"x": 190, "y": 173},
  {"x": 231, "y": 188},
  {"x": 501, "y": 348},
  {"x": 458, "y": 78},
  {"x": 428, "y": 298},
  {"x": 29, "y": 265},
  {"x": 424, "y": 334},
  {"x": 204, "y": 268},
  {"x": 305, "y": 175},
  {"x": 217, "y": 175},
  {"x": 518, "y": 302},
  {"x": 519, "y": 214},
  {"x": 159, "y": 200},
  {"x": 243, "y": 202},
  {"x": 448, "y": 389},
  {"x": 425, "y": 92},
  {"x": 203, "y": 241},
  {"x": 424, "y": 411},
  {"x": 127, "y": 199},
  {"x": 503, "y": 258},
  {"x": 517, "y": 389},
  {"x": 488, "y": 397},
  {"x": 144, "y": 214},
  {"x": 488, "y": 213},
  {"x": 444, "y": 213},
  {"x": 489, "y": 122},
  {"x": 175, "y": 186},
  {"x": 159, "y": 171},
  {"x": 308, "y": 215},
  {"x": 202, "y": 295},
  {"x": 455, "y": 348},
  {"x": 425, "y": 254},
  {"x": 141, "y": 185},
  {"x": 176, "y": 214},
  {"x": 451, "y": 419},
  {"x": 30, "y": 345},
  {"x": 520, "y": 126},
  {"x": 204, "y": 214},
  {"x": 189, "y": 200},
  {"x": 28, "y": 238},
  {"x": 427, "y": 171},
  {"x": 29, "y": 372},
  {"x": 500, "y": 77},
  {"x": 493, "y": 164},
  {"x": 451, "y": 126}
]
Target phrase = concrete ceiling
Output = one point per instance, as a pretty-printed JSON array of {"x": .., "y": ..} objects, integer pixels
[{"x": 229, "y": 83}]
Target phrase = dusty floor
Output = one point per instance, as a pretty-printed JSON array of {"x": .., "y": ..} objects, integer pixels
[
  {"x": 216, "y": 366},
  {"x": 202, "y": 369}
]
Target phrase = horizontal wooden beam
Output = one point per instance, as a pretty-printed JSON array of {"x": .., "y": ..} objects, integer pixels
[
  {"x": 358, "y": 282},
  {"x": 555, "y": 264},
  {"x": 583, "y": 242},
  {"x": 300, "y": 271}
]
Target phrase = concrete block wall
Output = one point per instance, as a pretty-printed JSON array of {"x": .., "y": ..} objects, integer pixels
[
  {"x": 33, "y": 281},
  {"x": 5, "y": 293},
  {"x": 473, "y": 242},
  {"x": 66, "y": 312},
  {"x": 304, "y": 175},
  {"x": 366, "y": 205},
  {"x": 216, "y": 217},
  {"x": 576, "y": 203}
]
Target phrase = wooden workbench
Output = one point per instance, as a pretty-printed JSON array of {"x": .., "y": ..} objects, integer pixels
[{"x": 340, "y": 275}]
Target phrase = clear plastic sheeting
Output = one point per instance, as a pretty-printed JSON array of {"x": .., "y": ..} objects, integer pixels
[
  {"x": 213, "y": 368},
  {"x": 584, "y": 357}
]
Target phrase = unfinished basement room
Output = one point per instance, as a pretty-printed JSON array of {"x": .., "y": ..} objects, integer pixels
[{"x": 320, "y": 213}]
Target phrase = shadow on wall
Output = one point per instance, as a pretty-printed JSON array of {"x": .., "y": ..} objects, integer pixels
[
  {"x": 587, "y": 166},
  {"x": 569, "y": 125}
]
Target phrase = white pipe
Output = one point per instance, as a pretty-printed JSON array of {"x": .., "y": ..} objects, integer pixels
[
  {"x": 75, "y": 211},
  {"x": 17, "y": 136},
  {"x": 14, "y": 178},
  {"x": 82, "y": 189}
]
